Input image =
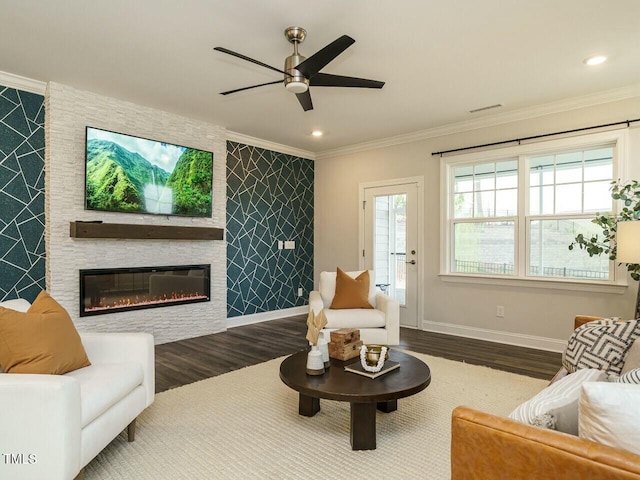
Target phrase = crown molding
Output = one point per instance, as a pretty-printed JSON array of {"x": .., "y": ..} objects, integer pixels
[
  {"x": 490, "y": 121},
  {"x": 22, "y": 83},
  {"x": 266, "y": 144},
  {"x": 36, "y": 86}
]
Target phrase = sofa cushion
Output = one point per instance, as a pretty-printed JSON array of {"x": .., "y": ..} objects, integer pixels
[
  {"x": 101, "y": 386},
  {"x": 356, "y": 318},
  {"x": 327, "y": 286},
  {"x": 18, "y": 304},
  {"x": 632, "y": 359},
  {"x": 609, "y": 414},
  {"x": 41, "y": 340},
  {"x": 602, "y": 344},
  {"x": 351, "y": 292},
  {"x": 559, "y": 400}
]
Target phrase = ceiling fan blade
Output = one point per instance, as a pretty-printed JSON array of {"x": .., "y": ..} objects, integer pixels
[
  {"x": 312, "y": 65},
  {"x": 244, "y": 57},
  {"x": 249, "y": 88},
  {"x": 328, "y": 80},
  {"x": 305, "y": 100}
]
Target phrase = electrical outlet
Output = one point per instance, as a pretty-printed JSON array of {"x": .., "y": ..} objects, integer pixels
[
  {"x": 500, "y": 311},
  {"x": 289, "y": 244},
  {"x": 300, "y": 291}
]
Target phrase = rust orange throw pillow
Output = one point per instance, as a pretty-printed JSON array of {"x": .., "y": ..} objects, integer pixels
[
  {"x": 351, "y": 292},
  {"x": 42, "y": 340}
]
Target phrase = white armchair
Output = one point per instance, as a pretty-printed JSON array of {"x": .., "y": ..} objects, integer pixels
[
  {"x": 380, "y": 325},
  {"x": 53, "y": 425}
]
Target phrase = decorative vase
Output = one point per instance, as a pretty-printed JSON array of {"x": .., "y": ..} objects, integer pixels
[
  {"x": 315, "y": 364},
  {"x": 323, "y": 346},
  {"x": 372, "y": 357}
]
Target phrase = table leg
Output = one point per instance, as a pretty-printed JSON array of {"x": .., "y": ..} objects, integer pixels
[
  {"x": 387, "y": 407},
  {"x": 363, "y": 426},
  {"x": 308, "y": 406}
]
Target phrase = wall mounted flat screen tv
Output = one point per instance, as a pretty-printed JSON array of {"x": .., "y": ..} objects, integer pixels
[{"x": 136, "y": 175}]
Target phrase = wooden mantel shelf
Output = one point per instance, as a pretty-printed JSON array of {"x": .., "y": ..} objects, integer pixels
[{"x": 80, "y": 229}]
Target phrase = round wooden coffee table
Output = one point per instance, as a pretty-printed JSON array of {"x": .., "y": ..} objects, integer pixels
[{"x": 363, "y": 393}]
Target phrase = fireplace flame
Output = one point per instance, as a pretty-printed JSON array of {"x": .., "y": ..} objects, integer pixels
[{"x": 105, "y": 304}]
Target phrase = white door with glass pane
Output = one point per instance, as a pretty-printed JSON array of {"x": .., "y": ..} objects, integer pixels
[{"x": 390, "y": 244}]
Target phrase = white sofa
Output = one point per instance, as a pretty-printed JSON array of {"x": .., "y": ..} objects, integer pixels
[
  {"x": 51, "y": 426},
  {"x": 380, "y": 325}
]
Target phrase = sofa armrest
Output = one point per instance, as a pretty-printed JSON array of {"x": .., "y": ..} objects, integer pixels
[
  {"x": 315, "y": 301},
  {"x": 582, "y": 319},
  {"x": 104, "y": 348},
  {"x": 391, "y": 309},
  {"x": 40, "y": 426},
  {"x": 485, "y": 446}
]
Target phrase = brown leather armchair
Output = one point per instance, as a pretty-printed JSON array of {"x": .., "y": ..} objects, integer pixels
[{"x": 485, "y": 446}]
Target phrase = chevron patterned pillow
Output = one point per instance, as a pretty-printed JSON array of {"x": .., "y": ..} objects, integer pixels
[{"x": 602, "y": 344}]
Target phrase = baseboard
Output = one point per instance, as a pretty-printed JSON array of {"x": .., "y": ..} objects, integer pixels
[
  {"x": 521, "y": 340},
  {"x": 266, "y": 316}
]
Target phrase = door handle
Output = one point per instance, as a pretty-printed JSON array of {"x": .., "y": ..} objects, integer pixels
[{"x": 412, "y": 262}]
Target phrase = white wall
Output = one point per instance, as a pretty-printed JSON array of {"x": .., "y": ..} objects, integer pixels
[
  {"x": 532, "y": 315},
  {"x": 68, "y": 112}
]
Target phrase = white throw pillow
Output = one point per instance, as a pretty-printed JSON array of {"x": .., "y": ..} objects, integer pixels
[
  {"x": 632, "y": 376},
  {"x": 609, "y": 414},
  {"x": 560, "y": 400}
]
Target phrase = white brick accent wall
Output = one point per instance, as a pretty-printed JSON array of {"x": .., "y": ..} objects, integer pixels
[{"x": 68, "y": 112}]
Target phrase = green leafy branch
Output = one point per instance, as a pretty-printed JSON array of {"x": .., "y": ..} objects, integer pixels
[{"x": 629, "y": 194}]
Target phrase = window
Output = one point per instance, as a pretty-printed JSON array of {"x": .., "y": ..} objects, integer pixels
[
  {"x": 572, "y": 185},
  {"x": 485, "y": 208},
  {"x": 513, "y": 212}
]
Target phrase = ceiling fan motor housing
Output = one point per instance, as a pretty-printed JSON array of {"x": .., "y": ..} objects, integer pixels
[{"x": 295, "y": 82}]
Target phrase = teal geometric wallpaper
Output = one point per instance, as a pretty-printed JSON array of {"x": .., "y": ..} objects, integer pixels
[
  {"x": 269, "y": 198},
  {"x": 22, "y": 255}
]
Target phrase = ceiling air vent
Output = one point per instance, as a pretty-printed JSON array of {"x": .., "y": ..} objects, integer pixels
[{"x": 482, "y": 109}]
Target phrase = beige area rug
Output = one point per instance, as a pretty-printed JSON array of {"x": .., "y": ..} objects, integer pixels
[{"x": 245, "y": 425}]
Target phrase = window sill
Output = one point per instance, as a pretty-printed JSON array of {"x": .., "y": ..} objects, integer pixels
[{"x": 572, "y": 285}]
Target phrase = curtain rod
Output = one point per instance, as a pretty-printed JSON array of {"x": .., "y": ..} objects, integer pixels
[{"x": 533, "y": 137}]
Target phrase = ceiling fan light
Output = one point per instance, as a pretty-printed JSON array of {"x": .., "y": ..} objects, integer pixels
[{"x": 297, "y": 87}]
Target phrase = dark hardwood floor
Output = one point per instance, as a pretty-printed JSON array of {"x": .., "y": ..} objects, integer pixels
[{"x": 187, "y": 361}]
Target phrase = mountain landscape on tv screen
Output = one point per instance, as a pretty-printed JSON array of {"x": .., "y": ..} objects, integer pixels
[{"x": 122, "y": 181}]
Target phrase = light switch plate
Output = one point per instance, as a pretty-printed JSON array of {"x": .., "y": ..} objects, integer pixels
[
  {"x": 289, "y": 244},
  {"x": 279, "y": 244}
]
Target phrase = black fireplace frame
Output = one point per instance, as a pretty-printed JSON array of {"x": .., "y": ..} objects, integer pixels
[{"x": 156, "y": 269}]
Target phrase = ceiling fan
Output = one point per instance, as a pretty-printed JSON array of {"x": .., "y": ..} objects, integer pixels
[{"x": 300, "y": 73}]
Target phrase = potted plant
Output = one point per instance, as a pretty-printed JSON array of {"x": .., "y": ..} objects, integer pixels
[{"x": 629, "y": 194}]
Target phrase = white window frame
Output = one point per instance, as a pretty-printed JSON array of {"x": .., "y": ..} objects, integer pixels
[{"x": 617, "y": 282}]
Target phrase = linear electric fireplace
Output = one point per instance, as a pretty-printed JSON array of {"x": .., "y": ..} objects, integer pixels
[{"x": 110, "y": 290}]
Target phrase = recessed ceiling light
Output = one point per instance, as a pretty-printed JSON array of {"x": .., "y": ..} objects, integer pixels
[
  {"x": 595, "y": 60},
  {"x": 316, "y": 133}
]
